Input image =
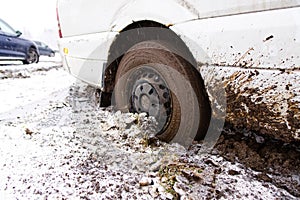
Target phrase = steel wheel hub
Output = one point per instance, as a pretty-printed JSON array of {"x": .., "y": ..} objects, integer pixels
[
  {"x": 151, "y": 95},
  {"x": 145, "y": 98}
]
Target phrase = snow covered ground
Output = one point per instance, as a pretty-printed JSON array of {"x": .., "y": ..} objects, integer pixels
[
  {"x": 25, "y": 84},
  {"x": 56, "y": 143}
]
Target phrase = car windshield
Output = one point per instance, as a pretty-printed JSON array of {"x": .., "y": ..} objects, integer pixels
[
  {"x": 4, "y": 27},
  {"x": 43, "y": 44}
]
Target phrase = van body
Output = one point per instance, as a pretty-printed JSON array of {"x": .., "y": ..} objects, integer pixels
[{"x": 251, "y": 48}]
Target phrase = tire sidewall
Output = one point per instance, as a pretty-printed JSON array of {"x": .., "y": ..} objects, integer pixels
[{"x": 184, "y": 121}]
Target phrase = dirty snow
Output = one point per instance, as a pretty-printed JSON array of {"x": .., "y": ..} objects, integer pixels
[{"x": 56, "y": 143}]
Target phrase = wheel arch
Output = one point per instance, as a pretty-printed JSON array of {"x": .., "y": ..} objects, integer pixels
[
  {"x": 118, "y": 48},
  {"x": 34, "y": 47}
]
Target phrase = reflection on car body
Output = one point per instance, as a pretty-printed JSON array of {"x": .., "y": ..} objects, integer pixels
[
  {"x": 247, "y": 49},
  {"x": 13, "y": 47}
]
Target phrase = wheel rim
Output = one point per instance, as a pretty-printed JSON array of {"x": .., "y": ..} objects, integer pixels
[
  {"x": 151, "y": 95},
  {"x": 32, "y": 56}
]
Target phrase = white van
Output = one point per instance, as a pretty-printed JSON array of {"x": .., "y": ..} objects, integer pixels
[{"x": 190, "y": 62}]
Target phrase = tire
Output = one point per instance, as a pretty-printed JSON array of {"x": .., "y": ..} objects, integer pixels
[
  {"x": 31, "y": 57},
  {"x": 152, "y": 78}
]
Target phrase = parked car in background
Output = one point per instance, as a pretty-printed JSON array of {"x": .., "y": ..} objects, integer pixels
[
  {"x": 14, "y": 47},
  {"x": 240, "y": 58},
  {"x": 44, "y": 49}
]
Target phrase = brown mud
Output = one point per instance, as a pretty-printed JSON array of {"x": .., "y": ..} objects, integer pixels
[{"x": 273, "y": 160}]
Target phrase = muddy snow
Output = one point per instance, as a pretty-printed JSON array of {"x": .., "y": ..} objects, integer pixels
[{"x": 56, "y": 143}]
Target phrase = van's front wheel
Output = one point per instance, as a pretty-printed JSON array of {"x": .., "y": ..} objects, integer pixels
[{"x": 152, "y": 78}]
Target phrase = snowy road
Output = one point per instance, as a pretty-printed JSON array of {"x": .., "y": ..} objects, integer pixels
[{"x": 57, "y": 144}]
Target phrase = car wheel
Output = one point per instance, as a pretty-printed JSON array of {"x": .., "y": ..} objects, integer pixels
[
  {"x": 152, "y": 79},
  {"x": 32, "y": 57}
]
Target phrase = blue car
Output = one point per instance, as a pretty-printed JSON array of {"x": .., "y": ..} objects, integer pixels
[
  {"x": 14, "y": 47},
  {"x": 44, "y": 49}
]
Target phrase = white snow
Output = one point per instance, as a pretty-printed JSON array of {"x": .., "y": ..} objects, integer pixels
[{"x": 23, "y": 91}]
